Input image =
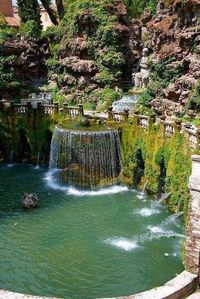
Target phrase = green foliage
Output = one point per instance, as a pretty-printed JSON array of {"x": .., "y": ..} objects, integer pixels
[
  {"x": 146, "y": 98},
  {"x": 105, "y": 98},
  {"x": 158, "y": 151},
  {"x": 29, "y": 12},
  {"x": 194, "y": 102},
  {"x": 8, "y": 76},
  {"x": 2, "y": 20},
  {"x": 6, "y": 33},
  {"x": 28, "y": 29},
  {"x": 104, "y": 43},
  {"x": 137, "y": 7},
  {"x": 165, "y": 72}
]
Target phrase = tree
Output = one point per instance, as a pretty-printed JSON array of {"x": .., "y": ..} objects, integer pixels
[
  {"x": 60, "y": 8},
  {"x": 29, "y": 10},
  {"x": 50, "y": 11}
]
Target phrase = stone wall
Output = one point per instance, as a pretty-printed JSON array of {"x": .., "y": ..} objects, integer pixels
[{"x": 193, "y": 229}]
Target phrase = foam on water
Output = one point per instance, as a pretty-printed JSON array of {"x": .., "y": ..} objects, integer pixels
[
  {"x": 10, "y": 165},
  {"x": 159, "y": 232},
  {"x": 141, "y": 195},
  {"x": 51, "y": 178},
  {"x": 122, "y": 243},
  {"x": 146, "y": 212},
  {"x": 172, "y": 219},
  {"x": 105, "y": 191},
  {"x": 36, "y": 167}
]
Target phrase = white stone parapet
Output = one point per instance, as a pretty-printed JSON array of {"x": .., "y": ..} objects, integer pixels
[
  {"x": 193, "y": 228},
  {"x": 194, "y": 182}
]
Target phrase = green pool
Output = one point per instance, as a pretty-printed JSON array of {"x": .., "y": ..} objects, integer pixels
[{"x": 83, "y": 244}]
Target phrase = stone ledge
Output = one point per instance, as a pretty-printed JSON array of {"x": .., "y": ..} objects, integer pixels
[
  {"x": 11, "y": 295},
  {"x": 177, "y": 288}
]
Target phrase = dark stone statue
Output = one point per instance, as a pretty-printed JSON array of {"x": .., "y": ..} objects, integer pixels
[{"x": 29, "y": 201}]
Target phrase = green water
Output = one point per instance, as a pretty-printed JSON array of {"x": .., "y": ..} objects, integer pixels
[
  {"x": 72, "y": 246},
  {"x": 74, "y": 125}
]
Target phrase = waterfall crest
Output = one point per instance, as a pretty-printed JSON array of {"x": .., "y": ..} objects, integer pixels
[{"x": 86, "y": 159}]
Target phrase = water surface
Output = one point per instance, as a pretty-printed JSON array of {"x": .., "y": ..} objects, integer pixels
[{"x": 87, "y": 244}]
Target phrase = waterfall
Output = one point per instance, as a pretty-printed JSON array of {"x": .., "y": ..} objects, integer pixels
[
  {"x": 86, "y": 159},
  {"x": 38, "y": 161}
]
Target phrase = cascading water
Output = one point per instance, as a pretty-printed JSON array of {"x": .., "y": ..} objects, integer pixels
[{"x": 87, "y": 159}]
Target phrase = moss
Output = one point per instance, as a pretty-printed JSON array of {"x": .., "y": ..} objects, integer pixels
[{"x": 173, "y": 153}]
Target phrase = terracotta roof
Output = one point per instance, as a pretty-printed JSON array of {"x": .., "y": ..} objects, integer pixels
[{"x": 13, "y": 22}]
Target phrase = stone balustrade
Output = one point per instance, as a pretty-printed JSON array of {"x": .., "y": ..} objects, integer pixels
[
  {"x": 169, "y": 127},
  {"x": 73, "y": 111},
  {"x": 46, "y": 109},
  {"x": 119, "y": 117},
  {"x": 192, "y": 134},
  {"x": 20, "y": 109},
  {"x": 143, "y": 121},
  {"x": 49, "y": 109}
]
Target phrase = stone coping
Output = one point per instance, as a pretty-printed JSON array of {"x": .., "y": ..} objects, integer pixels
[{"x": 178, "y": 288}]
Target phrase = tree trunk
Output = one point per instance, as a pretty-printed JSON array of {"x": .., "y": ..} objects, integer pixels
[
  {"x": 50, "y": 11},
  {"x": 60, "y": 8}
]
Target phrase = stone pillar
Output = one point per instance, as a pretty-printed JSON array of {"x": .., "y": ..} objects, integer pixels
[
  {"x": 193, "y": 228},
  {"x": 65, "y": 109},
  {"x": 110, "y": 115},
  {"x": 126, "y": 115},
  {"x": 81, "y": 110},
  {"x": 56, "y": 108}
]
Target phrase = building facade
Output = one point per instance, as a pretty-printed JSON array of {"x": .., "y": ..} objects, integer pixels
[{"x": 6, "y": 8}]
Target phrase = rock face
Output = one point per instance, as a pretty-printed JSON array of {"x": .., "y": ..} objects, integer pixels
[
  {"x": 101, "y": 52},
  {"x": 175, "y": 32},
  {"x": 28, "y": 62}
]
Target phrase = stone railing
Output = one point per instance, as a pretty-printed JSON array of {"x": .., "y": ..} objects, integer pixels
[
  {"x": 192, "y": 134},
  {"x": 49, "y": 109},
  {"x": 143, "y": 121},
  {"x": 46, "y": 109},
  {"x": 169, "y": 127},
  {"x": 20, "y": 109},
  {"x": 73, "y": 111},
  {"x": 43, "y": 98},
  {"x": 119, "y": 117}
]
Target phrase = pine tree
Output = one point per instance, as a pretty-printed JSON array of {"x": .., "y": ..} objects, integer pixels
[{"x": 29, "y": 10}]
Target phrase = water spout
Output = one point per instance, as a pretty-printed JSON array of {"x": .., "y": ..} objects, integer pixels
[
  {"x": 164, "y": 197},
  {"x": 38, "y": 161},
  {"x": 144, "y": 188}
]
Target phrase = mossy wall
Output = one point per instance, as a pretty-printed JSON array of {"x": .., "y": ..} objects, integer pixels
[
  {"x": 168, "y": 156},
  {"x": 24, "y": 136}
]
